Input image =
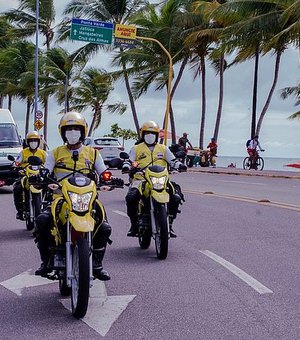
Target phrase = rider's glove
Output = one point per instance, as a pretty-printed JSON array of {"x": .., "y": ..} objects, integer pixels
[{"x": 182, "y": 168}]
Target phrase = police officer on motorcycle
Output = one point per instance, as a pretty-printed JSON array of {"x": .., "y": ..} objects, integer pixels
[
  {"x": 73, "y": 129},
  {"x": 149, "y": 152},
  {"x": 32, "y": 141}
]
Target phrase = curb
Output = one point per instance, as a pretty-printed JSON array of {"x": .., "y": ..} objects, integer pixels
[{"x": 241, "y": 172}]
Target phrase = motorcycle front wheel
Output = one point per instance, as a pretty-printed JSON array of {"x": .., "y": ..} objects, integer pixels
[
  {"x": 36, "y": 210},
  {"x": 162, "y": 235},
  {"x": 144, "y": 238},
  {"x": 80, "y": 278}
]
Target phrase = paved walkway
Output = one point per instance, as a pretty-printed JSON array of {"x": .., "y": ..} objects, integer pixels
[{"x": 242, "y": 172}]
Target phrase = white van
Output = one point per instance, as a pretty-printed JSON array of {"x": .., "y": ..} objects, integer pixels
[{"x": 10, "y": 144}]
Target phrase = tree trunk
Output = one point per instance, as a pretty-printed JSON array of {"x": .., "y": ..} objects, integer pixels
[
  {"x": 131, "y": 99},
  {"x": 221, "y": 94},
  {"x": 92, "y": 125},
  {"x": 203, "y": 113},
  {"x": 27, "y": 118},
  {"x": 1, "y": 101},
  {"x": 172, "y": 123},
  {"x": 46, "y": 119},
  {"x": 178, "y": 78},
  {"x": 254, "y": 98},
  {"x": 265, "y": 108},
  {"x": 9, "y": 103}
]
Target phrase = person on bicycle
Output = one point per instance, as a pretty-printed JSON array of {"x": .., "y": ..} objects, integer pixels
[
  {"x": 32, "y": 149},
  {"x": 149, "y": 152},
  {"x": 73, "y": 129},
  {"x": 252, "y": 147},
  {"x": 213, "y": 147}
]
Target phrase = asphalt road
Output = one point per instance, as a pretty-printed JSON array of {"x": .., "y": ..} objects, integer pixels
[{"x": 232, "y": 272}]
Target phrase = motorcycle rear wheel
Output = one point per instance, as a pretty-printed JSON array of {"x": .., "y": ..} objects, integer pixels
[
  {"x": 81, "y": 278},
  {"x": 162, "y": 235}
]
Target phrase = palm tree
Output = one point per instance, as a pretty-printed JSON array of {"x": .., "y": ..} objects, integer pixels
[
  {"x": 24, "y": 19},
  {"x": 203, "y": 36},
  {"x": 60, "y": 69},
  {"x": 94, "y": 87},
  {"x": 149, "y": 64},
  {"x": 252, "y": 34},
  {"x": 295, "y": 92},
  {"x": 16, "y": 61},
  {"x": 115, "y": 11},
  {"x": 5, "y": 41}
]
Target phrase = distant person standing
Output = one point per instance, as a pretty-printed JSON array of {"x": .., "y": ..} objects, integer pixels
[
  {"x": 213, "y": 147},
  {"x": 43, "y": 144},
  {"x": 183, "y": 141}
]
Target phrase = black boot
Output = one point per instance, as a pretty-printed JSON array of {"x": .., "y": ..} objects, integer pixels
[
  {"x": 134, "y": 229},
  {"x": 98, "y": 271},
  {"x": 172, "y": 232},
  {"x": 43, "y": 270},
  {"x": 20, "y": 215}
]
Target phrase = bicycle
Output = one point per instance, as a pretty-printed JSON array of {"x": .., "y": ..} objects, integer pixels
[{"x": 249, "y": 163}]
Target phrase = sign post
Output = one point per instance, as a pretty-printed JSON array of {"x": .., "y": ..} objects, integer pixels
[
  {"x": 125, "y": 36},
  {"x": 92, "y": 31}
]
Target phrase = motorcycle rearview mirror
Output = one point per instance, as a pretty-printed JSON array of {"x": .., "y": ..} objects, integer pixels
[
  {"x": 124, "y": 155},
  {"x": 115, "y": 163},
  {"x": 34, "y": 160},
  {"x": 180, "y": 154},
  {"x": 11, "y": 158}
]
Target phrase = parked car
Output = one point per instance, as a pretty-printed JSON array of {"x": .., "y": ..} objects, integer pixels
[
  {"x": 109, "y": 147},
  {"x": 10, "y": 144}
]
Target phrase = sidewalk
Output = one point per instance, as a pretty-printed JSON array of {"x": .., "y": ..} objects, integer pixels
[{"x": 242, "y": 172}]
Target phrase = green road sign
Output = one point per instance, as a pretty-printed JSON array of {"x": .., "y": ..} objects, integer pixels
[{"x": 96, "y": 32}]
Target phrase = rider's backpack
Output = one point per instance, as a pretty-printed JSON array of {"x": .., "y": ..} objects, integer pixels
[{"x": 248, "y": 143}]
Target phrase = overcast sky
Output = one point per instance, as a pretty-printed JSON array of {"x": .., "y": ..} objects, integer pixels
[{"x": 279, "y": 136}]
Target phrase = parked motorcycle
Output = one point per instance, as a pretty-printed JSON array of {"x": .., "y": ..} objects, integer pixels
[
  {"x": 71, "y": 257},
  {"x": 33, "y": 193},
  {"x": 153, "y": 207}
]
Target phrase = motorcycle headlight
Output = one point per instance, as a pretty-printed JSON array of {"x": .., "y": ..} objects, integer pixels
[
  {"x": 80, "y": 203},
  {"x": 158, "y": 182}
]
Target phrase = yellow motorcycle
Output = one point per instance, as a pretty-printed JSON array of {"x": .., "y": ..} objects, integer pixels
[
  {"x": 32, "y": 193},
  {"x": 153, "y": 205},
  {"x": 71, "y": 257}
]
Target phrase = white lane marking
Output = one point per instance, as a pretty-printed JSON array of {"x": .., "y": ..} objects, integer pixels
[
  {"x": 24, "y": 280},
  {"x": 259, "y": 287},
  {"x": 120, "y": 213},
  {"x": 103, "y": 310},
  {"x": 242, "y": 182}
]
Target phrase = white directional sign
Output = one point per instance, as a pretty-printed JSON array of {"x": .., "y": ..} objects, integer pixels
[
  {"x": 24, "y": 280},
  {"x": 102, "y": 311}
]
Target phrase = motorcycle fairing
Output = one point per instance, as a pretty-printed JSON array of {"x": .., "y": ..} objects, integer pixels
[
  {"x": 161, "y": 196},
  {"x": 83, "y": 223}
]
